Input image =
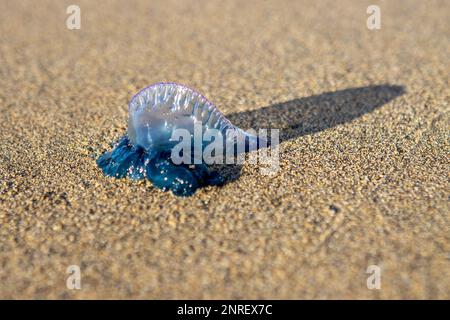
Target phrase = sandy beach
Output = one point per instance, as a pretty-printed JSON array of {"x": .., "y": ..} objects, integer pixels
[{"x": 363, "y": 173}]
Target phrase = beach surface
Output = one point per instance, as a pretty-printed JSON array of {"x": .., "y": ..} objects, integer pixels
[{"x": 363, "y": 175}]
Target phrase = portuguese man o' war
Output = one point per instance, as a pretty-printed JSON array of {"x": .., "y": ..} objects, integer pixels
[{"x": 155, "y": 113}]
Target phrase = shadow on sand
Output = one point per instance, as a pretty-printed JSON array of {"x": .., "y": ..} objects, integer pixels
[{"x": 312, "y": 114}]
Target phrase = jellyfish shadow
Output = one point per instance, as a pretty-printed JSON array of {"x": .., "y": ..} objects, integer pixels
[{"x": 303, "y": 116}]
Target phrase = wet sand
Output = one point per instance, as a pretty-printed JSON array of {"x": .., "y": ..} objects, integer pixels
[{"x": 364, "y": 157}]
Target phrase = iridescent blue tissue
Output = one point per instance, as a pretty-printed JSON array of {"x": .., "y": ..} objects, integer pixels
[{"x": 145, "y": 151}]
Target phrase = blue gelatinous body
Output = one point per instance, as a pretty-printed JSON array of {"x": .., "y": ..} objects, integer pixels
[{"x": 145, "y": 152}]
